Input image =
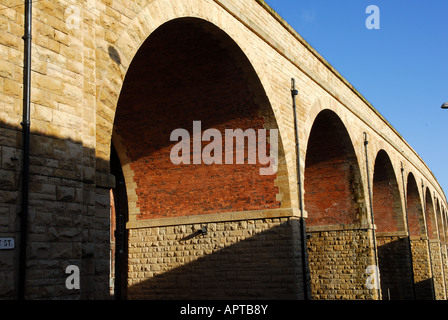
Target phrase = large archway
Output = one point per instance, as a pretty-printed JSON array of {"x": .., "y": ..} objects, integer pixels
[
  {"x": 423, "y": 277},
  {"x": 394, "y": 255},
  {"x": 433, "y": 220},
  {"x": 333, "y": 187},
  {"x": 339, "y": 243},
  {"x": 189, "y": 71},
  {"x": 190, "y": 77},
  {"x": 387, "y": 208}
]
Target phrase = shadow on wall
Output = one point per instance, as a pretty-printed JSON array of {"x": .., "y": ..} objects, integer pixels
[
  {"x": 68, "y": 220},
  {"x": 396, "y": 270},
  {"x": 264, "y": 265},
  {"x": 397, "y": 275}
]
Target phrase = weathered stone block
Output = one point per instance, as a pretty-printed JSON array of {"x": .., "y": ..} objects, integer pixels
[{"x": 65, "y": 193}]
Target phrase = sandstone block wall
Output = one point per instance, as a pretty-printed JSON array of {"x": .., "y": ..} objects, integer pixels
[
  {"x": 242, "y": 259},
  {"x": 338, "y": 262},
  {"x": 444, "y": 267},
  {"x": 423, "y": 274},
  {"x": 437, "y": 270},
  {"x": 194, "y": 97}
]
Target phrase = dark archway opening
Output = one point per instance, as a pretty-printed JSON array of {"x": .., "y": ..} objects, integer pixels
[
  {"x": 387, "y": 208},
  {"x": 189, "y": 70},
  {"x": 433, "y": 218},
  {"x": 415, "y": 208},
  {"x": 333, "y": 188},
  {"x": 394, "y": 255},
  {"x": 338, "y": 245},
  {"x": 423, "y": 277}
]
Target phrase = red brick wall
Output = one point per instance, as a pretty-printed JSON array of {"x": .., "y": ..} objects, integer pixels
[
  {"x": 414, "y": 207},
  {"x": 331, "y": 174},
  {"x": 431, "y": 219},
  {"x": 441, "y": 222},
  {"x": 387, "y": 208},
  {"x": 188, "y": 71}
]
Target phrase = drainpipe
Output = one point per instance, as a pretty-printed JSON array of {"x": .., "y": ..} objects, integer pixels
[
  {"x": 409, "y": 231},
  {"x": 294, "y": 93},
  {"x": 26, "y": 147},
  {"x": 366, "y": 142}
]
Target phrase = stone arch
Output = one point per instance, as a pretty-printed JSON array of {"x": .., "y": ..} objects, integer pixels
[
  {"x": 187, "y": 70},
  {"x": 445, "y": 218},
  {"x": 332, "y": 181},
  {"x": 122, "y": 52},
  {"x": 387, "y": 207},
  {"x": 415, "y": 211},
  {"x": 335, "y": 203},
  {"x": 441, "y": 222},
  {"x": 433, "y": 220},
  {"x": 128, "y": 173},
  {"x": 164, "y": 91},
  {"x": 394, "y": 256},
  {"x": 423, "y": 273}
]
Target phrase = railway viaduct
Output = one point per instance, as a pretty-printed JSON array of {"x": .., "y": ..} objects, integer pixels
[{"x": 350, "y": 211}]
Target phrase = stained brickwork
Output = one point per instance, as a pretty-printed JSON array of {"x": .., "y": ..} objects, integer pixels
[
  {"x": 332, "y": 186},
  {"x": 164, "y": 91},
  {"x": 387, "y": 207},
  {"x": 415, "y": 209}
]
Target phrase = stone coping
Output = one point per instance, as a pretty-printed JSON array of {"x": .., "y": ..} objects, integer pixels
[
  {"x": 421, "y": 237},
  {"x": 392, "y": 234},
  {"x": 338, "y": 227},
  {"x": 215, "y": 217}
]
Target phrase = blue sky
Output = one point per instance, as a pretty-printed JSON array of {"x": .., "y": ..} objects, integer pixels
[{"x": 400, "y": 68}]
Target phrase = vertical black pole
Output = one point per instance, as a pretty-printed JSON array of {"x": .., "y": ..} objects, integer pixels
[
  {"x": 294, "y": 92},
  {"x": 26, "y": 147}
]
